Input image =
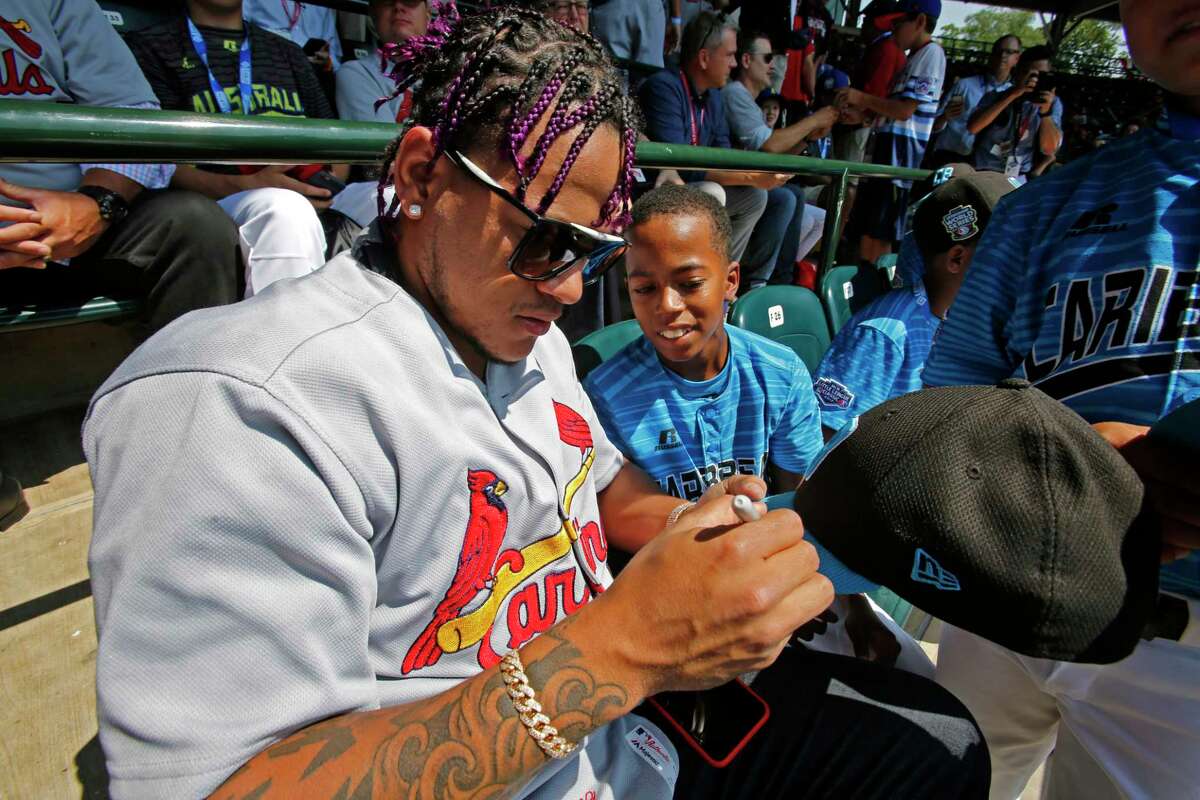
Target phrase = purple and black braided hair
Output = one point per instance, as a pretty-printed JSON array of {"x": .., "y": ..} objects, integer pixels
[{"x": 489, "y": 78}]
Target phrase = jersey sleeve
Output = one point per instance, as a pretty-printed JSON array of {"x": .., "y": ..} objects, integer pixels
[
  {"x": 357, "y": 93},
  {"x": 927, "y": 71},
  {"x": 100, "y": 69},
  {"x": 857, "y": 373},
  {"x": 972, "y": 346},
  {"x": 797, "y": 438},
  {"x": 199, "y": 666},
  {"x": 745, "y": 120}
]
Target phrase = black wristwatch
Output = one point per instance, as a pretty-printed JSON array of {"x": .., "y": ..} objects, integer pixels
[{"x": 113, "y": 207}]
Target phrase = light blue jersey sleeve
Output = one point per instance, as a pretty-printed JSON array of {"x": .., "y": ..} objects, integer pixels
[
  {"x": 857, "y": 373},
  {"x": 797, "y": 438},
  {"x": 972, "y": 347}
]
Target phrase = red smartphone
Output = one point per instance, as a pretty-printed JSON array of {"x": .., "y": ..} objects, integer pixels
[{"x": 716, "y": 723}]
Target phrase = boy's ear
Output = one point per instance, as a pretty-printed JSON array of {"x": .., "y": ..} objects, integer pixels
[
  {"x": 732, "y": 280},
  {"x": 958, "y": 258}
]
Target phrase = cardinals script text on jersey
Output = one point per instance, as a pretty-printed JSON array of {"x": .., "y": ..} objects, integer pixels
[{"x": 486, "y": 575}]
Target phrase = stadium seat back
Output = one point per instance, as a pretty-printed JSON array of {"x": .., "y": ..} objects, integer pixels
[
  {"x": 598, "y": 346},
  {"x": 130, "y": 17},
  {"x": 837, "y": 290},
  {"x": 790, "y": 315},
  {"x": 887, "y": 263}
]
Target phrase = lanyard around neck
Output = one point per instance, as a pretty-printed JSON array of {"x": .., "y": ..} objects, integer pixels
[
  {"x": 687, "y": 93},
  {"x": 245, "y": 88}
]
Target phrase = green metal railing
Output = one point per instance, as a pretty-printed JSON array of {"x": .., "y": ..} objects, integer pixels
[{"x": 64, "y": 133}]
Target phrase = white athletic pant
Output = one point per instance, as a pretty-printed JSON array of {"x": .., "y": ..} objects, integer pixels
[
  {"x": 1124, "y": 730},
  {"x": 281, "y": 235},
  {"x": 836, "y": 641},
  {"x": 810, "y": 230}
]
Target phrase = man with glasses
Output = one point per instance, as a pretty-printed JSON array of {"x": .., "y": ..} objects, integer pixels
[
  {"x": 686, "y": 106},
  {"x": 1010, "y": 125},
  {"x": 572, "y": 13},
  {"x": 955, "y": 143},
  {"x": 752, "y": 77}
]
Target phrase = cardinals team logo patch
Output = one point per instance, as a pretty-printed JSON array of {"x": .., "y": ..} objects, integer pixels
[
  {"x": 961, "y": 223},
  {"x": 833, "y": 394},
  {"x": 486, "y": 574}
]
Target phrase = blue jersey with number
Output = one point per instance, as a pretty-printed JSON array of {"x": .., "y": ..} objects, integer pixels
[
  {"x": 688, "y": 435},
  {"x": 1086, "y": 282},
  {"x": 877, "y": 355}
]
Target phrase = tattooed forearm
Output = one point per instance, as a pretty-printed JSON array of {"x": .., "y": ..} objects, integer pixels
[{"x": 466, "y": 742}]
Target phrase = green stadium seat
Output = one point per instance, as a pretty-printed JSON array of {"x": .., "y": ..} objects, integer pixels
[
  {"x": 837, "y": 290},
  {"x": 131, "y": 17},
  {"x": 24, "y": 318},
  {"x": 598, "y": 346},
  {"x": 790, "y": 315},
  {"x": 888, "y": 263}
]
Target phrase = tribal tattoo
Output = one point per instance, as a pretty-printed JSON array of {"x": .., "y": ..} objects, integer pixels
[{"x": 466, "y": 742}]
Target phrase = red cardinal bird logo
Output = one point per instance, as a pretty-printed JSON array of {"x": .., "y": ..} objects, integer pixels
[{"x": 476, "y": 571}]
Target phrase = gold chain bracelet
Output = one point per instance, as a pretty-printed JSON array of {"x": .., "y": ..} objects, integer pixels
[{"x": 529, "y": 710}]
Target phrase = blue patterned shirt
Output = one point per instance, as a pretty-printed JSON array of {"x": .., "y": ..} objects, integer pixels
[
  {"x": 688, "y": 435},
  {"x": 877, "y": 355},
  {"x": 1087, "y": 283}
]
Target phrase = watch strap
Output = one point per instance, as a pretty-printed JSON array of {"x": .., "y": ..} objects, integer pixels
[{"x": 113, "y": 207}]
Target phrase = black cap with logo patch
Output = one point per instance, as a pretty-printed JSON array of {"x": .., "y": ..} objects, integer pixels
[
  {"x": 998, "y": 510},
  {"x": 957, "y": 210}
]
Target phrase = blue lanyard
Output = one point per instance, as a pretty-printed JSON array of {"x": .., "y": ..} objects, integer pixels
[{"x": 244, "y": 86}]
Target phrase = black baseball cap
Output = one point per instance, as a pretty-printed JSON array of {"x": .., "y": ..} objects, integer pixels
[
  {"x": 956, "y": 210},
  {"x": 998, "y": 510}
]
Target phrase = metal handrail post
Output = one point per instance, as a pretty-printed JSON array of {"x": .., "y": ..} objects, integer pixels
[{"x": 833, "y": 223}]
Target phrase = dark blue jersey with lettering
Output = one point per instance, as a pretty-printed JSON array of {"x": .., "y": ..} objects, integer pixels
[{"x": 1087, "y": 283}]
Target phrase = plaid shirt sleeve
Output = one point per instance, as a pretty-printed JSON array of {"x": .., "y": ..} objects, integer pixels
[{"x": 151, "y": 176}]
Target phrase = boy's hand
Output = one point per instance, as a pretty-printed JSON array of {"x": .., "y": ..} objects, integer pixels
[{"x": 1046, "y": 101}]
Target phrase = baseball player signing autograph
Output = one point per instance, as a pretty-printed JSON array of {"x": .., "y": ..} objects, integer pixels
[
  {"x": 1086, "y": 284},
  {"x": 351, "y": 535}
]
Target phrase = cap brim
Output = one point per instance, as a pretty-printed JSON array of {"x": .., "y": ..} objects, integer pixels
[{"x": 844, "y": 579}]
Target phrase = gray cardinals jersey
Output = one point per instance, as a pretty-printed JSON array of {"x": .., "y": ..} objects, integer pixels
[
  {"x": 64, "y": 51},
  {"x": 306, "y": 505}
]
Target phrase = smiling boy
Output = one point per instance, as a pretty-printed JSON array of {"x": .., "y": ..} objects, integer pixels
[
  {"x": 677, "y": 400},
  {"x": 694, "y": 401}
]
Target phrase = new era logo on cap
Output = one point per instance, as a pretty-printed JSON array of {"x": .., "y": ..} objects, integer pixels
[{"x": 926, "y": 569}]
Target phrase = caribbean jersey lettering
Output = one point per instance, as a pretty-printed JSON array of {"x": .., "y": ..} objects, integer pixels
[
  {"x": 1122, "y": 325},
  {"x": 1086, "y": 282}
]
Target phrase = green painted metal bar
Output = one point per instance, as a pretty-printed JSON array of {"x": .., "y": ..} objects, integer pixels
[
  {"x": 656, "y": 154},
  {"x": 75, "y": 134},
  {"x": 833, "y": 223}
]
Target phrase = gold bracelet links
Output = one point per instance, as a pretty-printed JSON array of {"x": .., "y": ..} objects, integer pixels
[{"x": 529, "y": 710}]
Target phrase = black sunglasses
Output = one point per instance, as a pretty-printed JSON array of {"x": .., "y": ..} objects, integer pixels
[{"x": 551, "y": 247}]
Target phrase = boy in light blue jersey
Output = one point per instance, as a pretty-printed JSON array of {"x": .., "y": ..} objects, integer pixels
[
  {"x": 905, "y": 125},
  {"x": 694, "y": 400},
  {"x": 1088, "y": 285},
  {"x": 880, "y": 352}
]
